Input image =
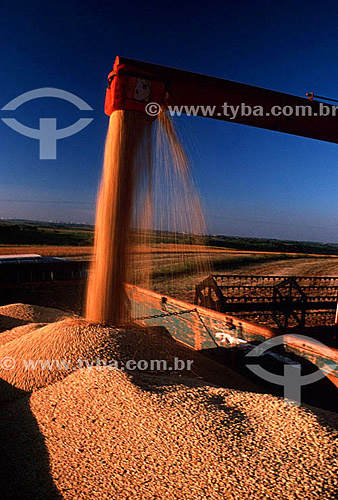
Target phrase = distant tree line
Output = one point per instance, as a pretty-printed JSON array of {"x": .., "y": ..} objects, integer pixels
[
  {"x": 15, "y": 234},
  {"x": 269, "y": 245}
]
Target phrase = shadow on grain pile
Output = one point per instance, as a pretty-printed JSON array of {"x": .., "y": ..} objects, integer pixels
[
  {"x": 25, "y": 466},
  {"x": 16, "y": 332}
]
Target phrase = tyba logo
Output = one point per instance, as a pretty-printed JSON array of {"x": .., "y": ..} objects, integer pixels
[
  {"x": 48, "y": 133},
  {"x": 293, "y": 380}
]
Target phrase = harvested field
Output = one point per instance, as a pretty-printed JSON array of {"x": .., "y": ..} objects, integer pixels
[
  {"x": 167, "y": 248},
  {"x": 322, "y": 266},
  {"x": 47, "y": 250},
  {"x": 183, "y": 287}
]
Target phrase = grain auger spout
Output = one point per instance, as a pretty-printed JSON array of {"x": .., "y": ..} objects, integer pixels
[
  {"x": 134, "y": 84},
  {"x": 130, "y": 88}
]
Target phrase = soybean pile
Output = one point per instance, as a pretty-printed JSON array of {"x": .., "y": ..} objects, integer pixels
[{"x": 95, "y": 433}]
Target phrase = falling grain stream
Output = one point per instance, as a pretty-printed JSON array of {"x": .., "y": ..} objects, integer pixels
[{"x": 146, "y": 184}]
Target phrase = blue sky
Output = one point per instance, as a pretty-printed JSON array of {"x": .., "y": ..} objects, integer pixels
[{"x": 252, "y": 182}]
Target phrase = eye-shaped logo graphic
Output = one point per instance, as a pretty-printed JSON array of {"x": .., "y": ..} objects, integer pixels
[
  {"x": 293, "y": 380},
  {"x": 48, "y": 133}
]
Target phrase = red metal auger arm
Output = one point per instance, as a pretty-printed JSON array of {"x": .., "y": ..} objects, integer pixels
[{"x": 133, "y": 84}]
